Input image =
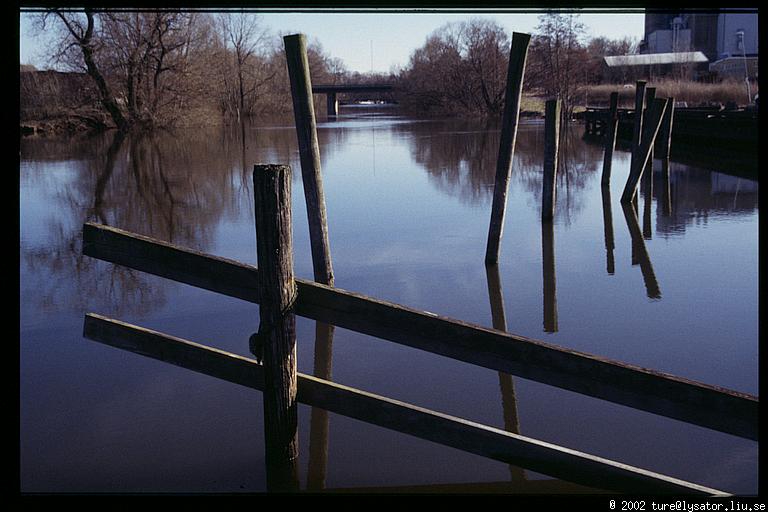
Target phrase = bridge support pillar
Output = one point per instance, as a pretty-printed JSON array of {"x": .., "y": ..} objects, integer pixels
[{"x": 333, "y": 104}]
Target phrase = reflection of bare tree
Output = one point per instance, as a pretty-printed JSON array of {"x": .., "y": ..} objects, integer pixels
[
  {"x": 60, "y": 276},
  {"x": 171, "y": 186},
  {"x": 460, "y": 158}
]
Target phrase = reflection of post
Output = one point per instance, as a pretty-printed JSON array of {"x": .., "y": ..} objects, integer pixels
[
  {"x": 551, "y": 137},
  {"x": 277, "y": 328},
  {"x": 610, "y": 139},
  {"x": 640, "y": 252},
  {"x": 666, "y": 208},
  {"x": 507, "y": 385},
  {"x": 648, "y": 193},
  {"x": 318, "y": 435},
  {"x": 608, "y": 229},
  {"x": 512, "y": 95},
  {"x": 548, "y": 271}
]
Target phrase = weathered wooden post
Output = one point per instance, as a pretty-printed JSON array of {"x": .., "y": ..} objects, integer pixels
[
  {"x": 610, "y": 138},
  {"x": 309, "y": 154},
  {"x": 608, "y": 229},
  {"x": 638, "y": 120},
  {"x": 640, "y": 157},
  {"x": 277, "y": 328},
  {"x": 514, "y": 90},
  {"x": 665, "y": 144},
  {"x": 506, "y": 383},
  {"x": 650, "y": 95},
  {"x": 551, "y": 138},
  {"x": 548, "y": 274}
]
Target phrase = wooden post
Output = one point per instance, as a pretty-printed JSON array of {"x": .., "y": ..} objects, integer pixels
[
  {"x": 665, "y": 140},
  {"x": 608, "y": 230},
  {"x": 277, "y": 330},
  {"x": 548, "y": 274},
  {"x": 640, "y": 157},
  {"x": 551, "y": 138},
  {"x": 650, "y": 95},
  {"x": 665, "y": 133},
  {"x": 309, "y": 153},
  {"x": 638, "y": 125},
  {"x": 514, "y": 89},
  {"x": 610, "y": 140},
  {"x": 506, "y": 383}
]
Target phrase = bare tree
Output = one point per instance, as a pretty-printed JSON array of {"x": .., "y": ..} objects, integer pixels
[
  {"x": 246, "y": 40},
  {"x": 557, "y": 57}
]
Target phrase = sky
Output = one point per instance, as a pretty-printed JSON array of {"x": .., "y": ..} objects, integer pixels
[{"x": 383, "y": 40}]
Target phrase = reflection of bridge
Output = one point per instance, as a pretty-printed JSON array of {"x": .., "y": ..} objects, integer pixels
[{"x": 331, "y": 92}]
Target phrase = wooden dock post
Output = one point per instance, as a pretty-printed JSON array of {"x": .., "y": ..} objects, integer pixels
[
  {"x": 551, "y": 138},
  {"x": 638, "y": 121},
  {"x": 640, "y": 157},
  {"x": 665, "y": 144},
  {"x": 610, "y": 139},
  {"x": 514, "y": 89},
  {"x": 277, "y": 329},
  {"x": 309, "y": 154},
  {"x": 650, "y": 95}
]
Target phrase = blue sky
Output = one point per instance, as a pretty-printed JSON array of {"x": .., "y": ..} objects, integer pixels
[{"x": 380, "y": 41}]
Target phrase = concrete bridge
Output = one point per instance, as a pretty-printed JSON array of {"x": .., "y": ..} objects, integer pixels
[{"x": 331, "y": 92}]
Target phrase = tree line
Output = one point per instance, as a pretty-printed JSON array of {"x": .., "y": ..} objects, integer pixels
[
  {"x": 170, "y": 67},
  {"x": 165, "y": 68},
  {"x": 462, "y": 66}
]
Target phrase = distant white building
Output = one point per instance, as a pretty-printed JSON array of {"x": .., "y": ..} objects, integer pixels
[{"x": 728, "y": 38}]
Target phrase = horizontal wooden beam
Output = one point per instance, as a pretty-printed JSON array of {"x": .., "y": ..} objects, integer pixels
[
  {"x": 640, "y": 388},
  {"x": 539, "y": 456}
]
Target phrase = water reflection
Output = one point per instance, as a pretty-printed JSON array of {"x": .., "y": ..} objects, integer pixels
[
  {"x": 506, "y": 383},
  {"x": 610, "y": 265},
  {"x": 639, "y": 252},
  {"x": 548, "y": 276},
  {"x": 192, "y": 188}
]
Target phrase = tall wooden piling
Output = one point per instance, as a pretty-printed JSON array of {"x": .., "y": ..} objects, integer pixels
[
  {"x": 650, "y": 95},
  {"x": 309, "y": 154},
  {"x": 638, "y": 121},
  {"x": 551, "y": 138},
  {"x": 665, "y": 144},
  {"x": 514, "y": 89},
  {"x": 640, "y": 157},
  {"x": 610, "y": 138},
  {"x": 277, "y": 329}
]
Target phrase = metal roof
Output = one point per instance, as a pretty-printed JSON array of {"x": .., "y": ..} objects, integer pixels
[{"x": 647, "y": 59}]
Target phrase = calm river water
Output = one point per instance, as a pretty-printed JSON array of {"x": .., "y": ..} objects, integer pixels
[{"x": 408, "y": 209}]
